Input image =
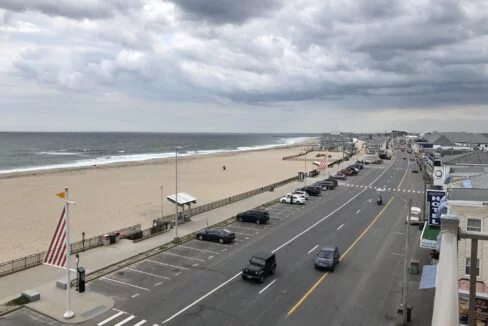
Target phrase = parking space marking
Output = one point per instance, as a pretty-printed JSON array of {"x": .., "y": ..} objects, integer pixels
[
  {"x": 186, "y": 257},
  {"x": 158, "y": 284},
  {"x": 164, "y": 264},
  {"x": 124, "y": 283},
  {"x": 358, "y": 211},
  {"x": 267, "y": 286},
  {"x": 110, "y": 318},
  {"x": 246, "y": 238},
  {"x": 202, "y": 250},
  {"x": 154, "y": 275},
  {"x": 312, "y": 249},
  {"x": 225, "y": 249},
  {"x": 140, "y": 323},
  {"x": 125, "y": 320},
  {"x": 340, "y": 227},
  {"x": 210, "y": 257},
  {"x": 135, "y": 295},
  {"x": 394, "y": 253},
  {"x": 195, "y": 265}
]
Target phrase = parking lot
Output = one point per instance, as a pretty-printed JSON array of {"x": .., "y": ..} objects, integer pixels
[{"x": 146, "y": 275}]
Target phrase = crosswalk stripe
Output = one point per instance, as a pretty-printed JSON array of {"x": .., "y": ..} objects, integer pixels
[
  {"x": 125, "y": 320},
  {"x": 110, "y": 318}
]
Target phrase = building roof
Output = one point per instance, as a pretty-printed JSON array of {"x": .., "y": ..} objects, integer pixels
[
  {"x": 450, "y": 138},
  {"x": 468, "y": 194},
  {"x": 476, "y": 157},
  {"x": 183, "y": 198}
]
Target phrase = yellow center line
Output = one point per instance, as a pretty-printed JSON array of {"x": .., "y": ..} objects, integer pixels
[{"x": 323, "y": 277}]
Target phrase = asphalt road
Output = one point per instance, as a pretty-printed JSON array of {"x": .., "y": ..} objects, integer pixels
[{"x": 199, "y": 283}]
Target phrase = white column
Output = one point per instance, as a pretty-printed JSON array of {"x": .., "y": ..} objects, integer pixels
[{"x": 446, "y": 307}]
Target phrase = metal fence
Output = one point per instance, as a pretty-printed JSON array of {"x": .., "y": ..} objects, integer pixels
[
  {"x": 19, "y": 264},
  {"x": 226, "y": 201}
]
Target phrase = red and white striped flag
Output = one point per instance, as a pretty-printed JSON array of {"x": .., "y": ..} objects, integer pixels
[
  {"x": 56, "y": 254},
  {"x": 323, "y": 164}
]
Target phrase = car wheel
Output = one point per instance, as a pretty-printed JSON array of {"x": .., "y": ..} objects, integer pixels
[
  {"x": 244, "y": 277},
  {"x": 239, "y": 219},
  {"x": 258, "y": 221},
  {"x": 221, "y": 240},
  {"x": 332, "y": 269},
  {"x": 200, "y": 237},
  {"x": 261, "y": 279}
]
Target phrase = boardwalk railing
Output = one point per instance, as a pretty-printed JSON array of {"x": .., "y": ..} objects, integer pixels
[{"x": 19, "y": 264}]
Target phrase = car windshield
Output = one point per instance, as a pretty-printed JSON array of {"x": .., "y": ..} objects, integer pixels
[
  {"x": 258, "y": 261},
  {"x": 327, "y": 254}
]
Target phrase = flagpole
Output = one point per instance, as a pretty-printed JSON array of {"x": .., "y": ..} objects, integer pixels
[{"x": 68, "y": 314}]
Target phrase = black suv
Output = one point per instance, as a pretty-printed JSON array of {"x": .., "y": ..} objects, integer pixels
[
  {"x": 257, "y": 216},
  {"x": 311, "y": 190},
  {"x": 260, "y": 265},
  {"x": 333, "y": 180}
]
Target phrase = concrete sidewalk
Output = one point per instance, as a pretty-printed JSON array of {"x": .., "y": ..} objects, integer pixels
[{"x": 43, "y": 278}]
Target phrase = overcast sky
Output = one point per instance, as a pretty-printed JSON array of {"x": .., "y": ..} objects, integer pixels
[{"x": 243, "y": 65}]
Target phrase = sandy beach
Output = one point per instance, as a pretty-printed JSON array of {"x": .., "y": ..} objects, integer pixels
[{"x": 113, "y": 197}]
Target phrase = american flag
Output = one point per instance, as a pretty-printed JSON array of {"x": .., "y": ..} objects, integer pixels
[
  {"x": 323, "y": 163},
  {"x": 56, "y": 254}
]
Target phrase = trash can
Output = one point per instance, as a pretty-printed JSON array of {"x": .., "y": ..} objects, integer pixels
[
  {"x": 112, "y": 238},
  {"x": 105, "y": 239}
]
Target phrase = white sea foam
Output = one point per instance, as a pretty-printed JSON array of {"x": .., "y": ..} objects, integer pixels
[
  {"x": 60, "y": 153},
  {"x": 105, "y": 160}
]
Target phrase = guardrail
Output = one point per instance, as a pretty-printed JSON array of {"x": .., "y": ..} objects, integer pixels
[{"x": 33, "y": 260}]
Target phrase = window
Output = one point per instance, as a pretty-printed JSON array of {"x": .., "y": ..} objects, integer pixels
[
  {"x": 474, "y": 224},
  {"x": 467, "y": 266}
]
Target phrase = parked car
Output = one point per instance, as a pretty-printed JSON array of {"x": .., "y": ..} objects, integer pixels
[
  {"x": 292, "y": 199},
  {"x": 415, "y": 169},
  {"x": 338, "y": 177},
  {"x": 260, "y": 266},
  {"x": 257, "y": 216},
  {"x": 357, "y": 165},
  {"x": 377, "y": 162},
  {"x": 414, "y": 216},
  {"x": 327, "y": 258},
  {"x": 216, "y": 234},
  {"x": 333, "y": 180},
  {"x": 353, "y": 171},
  {"x": 353, "y": 168},
  {"x": 301, "y": 193},
  {"x": 345, "y": 172},
  {"x": 311, "y": 190},
  {"x": 329, "y": 184}
]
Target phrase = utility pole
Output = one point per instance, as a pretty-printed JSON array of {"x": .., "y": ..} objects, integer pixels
[{"x": 405, "y": 264}]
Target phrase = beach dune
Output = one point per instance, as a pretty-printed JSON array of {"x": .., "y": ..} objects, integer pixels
[{"x": 117, "y": 196}]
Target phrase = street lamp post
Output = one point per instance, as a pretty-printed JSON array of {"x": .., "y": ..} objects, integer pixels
[
  {"x": 162, "y": 202},
  {"x": 405, "y": 258},
  {"x": 176, "y": 195},
  {"x": 305, "y": 177}
]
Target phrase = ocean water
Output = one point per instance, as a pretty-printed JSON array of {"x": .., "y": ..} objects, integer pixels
[{"x": 22, "y": 151}]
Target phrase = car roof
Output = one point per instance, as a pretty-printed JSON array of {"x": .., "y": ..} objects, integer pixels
[
  {"x": 328, "y": 248},
  {"x": 415, "y": 209},
  {"x": 263, "y": 254}
]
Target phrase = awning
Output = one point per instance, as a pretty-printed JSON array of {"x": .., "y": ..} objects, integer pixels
[
  {"x": 429, "y": 277},
  {"x": 429, "y": 237},
  {"x": 183, "y": 198}
]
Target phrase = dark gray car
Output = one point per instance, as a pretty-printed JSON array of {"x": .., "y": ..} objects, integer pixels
[{"x": 327, "y": 258}]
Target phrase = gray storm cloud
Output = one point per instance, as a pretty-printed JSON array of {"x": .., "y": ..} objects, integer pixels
[{"x": 353, "y": 54}]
